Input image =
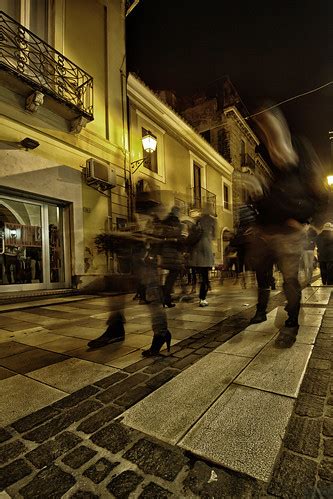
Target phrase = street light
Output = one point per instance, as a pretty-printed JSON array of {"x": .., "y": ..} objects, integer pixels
[
  {"x": 149, "y": 143},
  {"x": 330, "y": 180}
]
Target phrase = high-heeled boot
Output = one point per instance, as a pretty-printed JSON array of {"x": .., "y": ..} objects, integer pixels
[
  {"x": 115, "y": 332},
  {"x": 157, "y": 343}
]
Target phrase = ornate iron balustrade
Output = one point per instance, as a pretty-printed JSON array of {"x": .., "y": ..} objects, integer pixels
[
  {"x": 28, "y": 57},
  {"x": 202, "y": 197},
  {"x": 248, "y": 161}
]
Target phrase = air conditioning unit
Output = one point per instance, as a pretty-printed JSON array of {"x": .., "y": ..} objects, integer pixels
[{"x": 100, "y": 174}]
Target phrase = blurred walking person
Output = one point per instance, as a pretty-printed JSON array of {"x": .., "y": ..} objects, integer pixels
[
  {"x": 147, "y": 205},
  {"x": 294, "y": 194},
  {"x": 310, "y": 238},
  {"x": 172, "y": 258},
  {"x": 201, "y": 256},
  {"x": 325, "y": 253}
]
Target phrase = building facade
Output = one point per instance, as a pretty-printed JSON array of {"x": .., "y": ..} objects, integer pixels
[
  {"x": 63, "y": 107},
  {"x": 188, "y": 171},
  {"x": 220, "y": 117}
]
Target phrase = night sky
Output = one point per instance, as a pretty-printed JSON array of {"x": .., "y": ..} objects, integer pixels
[{"x": 269, "y": 50}]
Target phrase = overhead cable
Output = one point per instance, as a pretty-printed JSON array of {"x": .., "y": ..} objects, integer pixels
[{"x": 290, "y": 99}]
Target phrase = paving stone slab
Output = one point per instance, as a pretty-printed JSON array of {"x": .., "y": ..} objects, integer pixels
[
  {"x": 125, "y": 483},
  {"x": 76, "y": 397},
  {"x": 156, "y": 459},
  {"x": 51, "y": 482},
  {"x": 295, "y": 477},
  {"x": 13, "y": 472},
  {"x": 6, "y": 373},
  {"x": 225, "y": 484},
  {"x": 84, "y": 494},
  {"x": 31, "y": 360},
  {"x": 153, "y": 490},
  {"x": 34, "y": 419},
  {"x": 100, "y": 470},
  {"x": 99, "y": 419},
  {"x": 307, "y": 334},
  {"x": 185, "y": 398},
  {"x": 47, "y": 453},
  {"x": 63, "y": 421},
  {"x": 10, "y": 451},
  {"x": 9, "y": 348},
  {"x": 79, "y": 457},
  {"x": 243, "y": 431},
  {"x": 316, "y": 382},
  {"x": 304, "y": 435},
  {"x": 113, "y": 437},
  {"x": 71, "y": 374},
  {"x": 309, "y": 405},
  {"x": 326, "y": 470},
  {"x": 247, "y": 343},
  {"x": 277, "y": 370},
  {"x": 61, "y": 343},
  {"x": 21, "y": 396},
  {"x": 4, "y": 435},
  {"x": 35, "y": 338},
  {"x": 312, "y": 310}
]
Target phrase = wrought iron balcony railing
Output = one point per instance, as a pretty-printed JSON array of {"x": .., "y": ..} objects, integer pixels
[
  {"x": 248, "y": 162},
  {"x": 35, "y": 62},
  {"x": 201, "y": 197}
]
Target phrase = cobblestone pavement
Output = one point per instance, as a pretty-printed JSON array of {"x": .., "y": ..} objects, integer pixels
[{"x": 75, "y": 448}]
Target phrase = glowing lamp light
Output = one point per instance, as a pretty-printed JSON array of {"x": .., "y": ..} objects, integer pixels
[
  {"x": 13, "y": 233},
  {"x": 149, "y": 142},
  {"x": 330, "y": 180}
]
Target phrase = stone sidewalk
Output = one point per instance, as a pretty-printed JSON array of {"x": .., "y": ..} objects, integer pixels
[{"x": 74, "y": 447}]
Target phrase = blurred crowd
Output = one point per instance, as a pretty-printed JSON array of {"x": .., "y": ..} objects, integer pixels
[{"x": 280, "y": 224}]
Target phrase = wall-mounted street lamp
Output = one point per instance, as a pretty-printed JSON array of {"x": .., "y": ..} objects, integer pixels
[
  {"x": 149, "y": 143},
  {"x": 330, "y": 180}
]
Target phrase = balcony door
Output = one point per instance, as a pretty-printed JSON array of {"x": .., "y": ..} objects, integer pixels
[
  {"x": 197, "y": 185},
  {"x": 33, "y": 250}
]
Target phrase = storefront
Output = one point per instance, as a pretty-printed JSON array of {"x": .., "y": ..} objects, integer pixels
[{"x": 34, "y": 244}]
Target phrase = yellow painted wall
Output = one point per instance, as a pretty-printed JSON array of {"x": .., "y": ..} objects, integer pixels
[{"x": 85, "y": 43}]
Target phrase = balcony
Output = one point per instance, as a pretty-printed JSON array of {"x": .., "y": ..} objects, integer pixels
[
  {"x": 43, "y": 76},
  {"x": 201, "y": 197},
  {"x": 248, "y": 162}
]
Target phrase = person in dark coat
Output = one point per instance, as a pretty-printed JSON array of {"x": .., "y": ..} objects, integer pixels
[
  {"x": 325, "y": 253},
  {"x": 171, "y": 253},
  {"x": 309, "y": 245},
  {"x": 201, "y": 256},
  {"x": 147, "y": 203},
  {"x": 292, "y": 197}
]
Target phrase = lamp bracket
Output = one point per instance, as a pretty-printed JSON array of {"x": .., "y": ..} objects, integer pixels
[{"x": 135, "y": 165}]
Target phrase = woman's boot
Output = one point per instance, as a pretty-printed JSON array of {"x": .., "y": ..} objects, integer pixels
[
  {"x": 115, "y": 332},
  {"x": 260, "y": 315},
  {"x": 157, "y": 343}
]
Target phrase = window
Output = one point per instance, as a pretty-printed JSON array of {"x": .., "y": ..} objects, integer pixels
[
  {"x": 151, "y": 158},
  {"x": 196, "y": 185},
  {"x": 226, "y": 197},
  {"x": 242, "y": 152},
  {"x": 33, "y": 14},
  {"x": 39, "y": 18}
]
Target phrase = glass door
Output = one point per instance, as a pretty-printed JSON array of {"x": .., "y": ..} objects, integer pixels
[{"x": 32, "y": 253}]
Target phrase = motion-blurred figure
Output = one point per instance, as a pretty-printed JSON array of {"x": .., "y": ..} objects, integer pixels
[
  {"x": 172, "y": 253},
  {"x": 293, "y": 196},
  {"x": 147, "y": 205},
  {"x": 325, "y": 253},
  {"x": 201, "y": 257},
  {"x": 309, "y": 245}
]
